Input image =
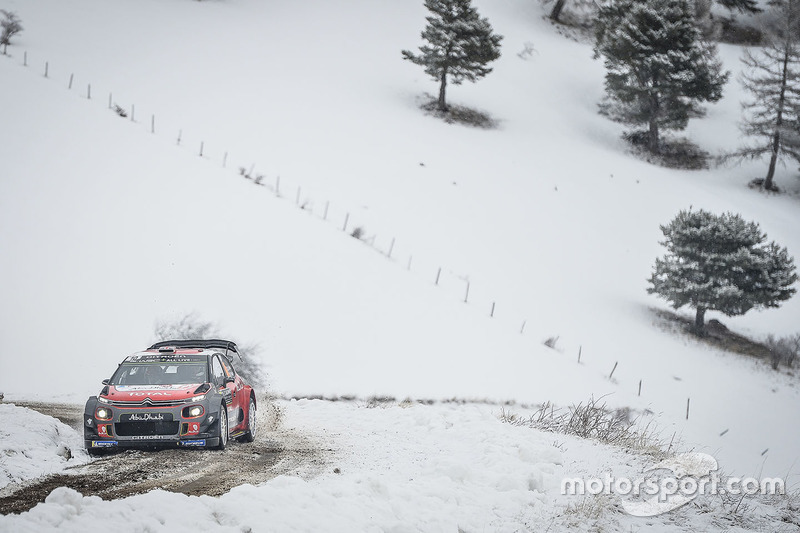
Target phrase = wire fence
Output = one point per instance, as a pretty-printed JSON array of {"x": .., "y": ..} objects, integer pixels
[{"x": 458, "y": 285}]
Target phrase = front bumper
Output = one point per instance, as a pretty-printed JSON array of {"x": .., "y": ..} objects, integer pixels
[
  {"x": 114, "y": 444},
  {"x": 149, "y": 426}
]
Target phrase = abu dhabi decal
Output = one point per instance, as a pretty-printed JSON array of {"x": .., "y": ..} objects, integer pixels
[{"x": 146, "y": 417}]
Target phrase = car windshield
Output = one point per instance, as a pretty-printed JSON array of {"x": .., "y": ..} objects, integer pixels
[{"x": 160, "y": 374}]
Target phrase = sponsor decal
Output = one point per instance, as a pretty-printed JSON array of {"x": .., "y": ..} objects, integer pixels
[
  {"x": 146, "y": 417},
  {"x": 103, "y": 443},
  {"x": 196, "y": 442},
  {"x": 166, "y": 358},
  {"x": 134, "y": 388},
  {"x": 151, "y": 437}
]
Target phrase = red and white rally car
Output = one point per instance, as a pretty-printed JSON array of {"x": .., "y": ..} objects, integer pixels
[{"x": 175, "y": 393}]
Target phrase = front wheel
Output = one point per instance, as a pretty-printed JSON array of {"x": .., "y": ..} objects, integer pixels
[
  {"x": 250, "y": 434},
  {"x": 222, "y": 424}
]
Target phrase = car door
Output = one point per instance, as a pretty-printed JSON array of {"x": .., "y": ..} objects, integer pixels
[
  {"x": 223, "y": 380},
  {"x": 239, "y": 401}
]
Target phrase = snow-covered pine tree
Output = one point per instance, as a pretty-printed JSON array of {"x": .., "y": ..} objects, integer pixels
[
  {"x": 720, "y": 263},
  {"x": 460, "y": 45},
  {"x": 772, "y": 79},
  {"x": 658, "y": 68}
]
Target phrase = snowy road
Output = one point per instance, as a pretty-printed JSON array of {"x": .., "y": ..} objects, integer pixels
[{"x": 192, "y": 472}]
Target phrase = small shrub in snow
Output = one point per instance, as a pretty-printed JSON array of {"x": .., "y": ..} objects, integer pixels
[
  {"x": 594, "y": 420},
  {"x": 358, "y": 233},
  {"x": 591, "y": 507},
  {"x": 10, "y": 25},
  {"x": 380, "y": 401},
  {"x": 527, "y": 51},
  {"x": 191, "y": 326},
  {"x": 783, "y": 350},
  {"x": 550, "y": 342},
  {"x": 120, "y": 111}
]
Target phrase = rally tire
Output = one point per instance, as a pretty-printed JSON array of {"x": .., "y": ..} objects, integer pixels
[
  {"x": 250, "y": 433},
  {"x": 222, "y": 424}
]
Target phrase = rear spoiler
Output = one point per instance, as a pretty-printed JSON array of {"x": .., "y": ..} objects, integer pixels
[{"x": 220, "y": 344}]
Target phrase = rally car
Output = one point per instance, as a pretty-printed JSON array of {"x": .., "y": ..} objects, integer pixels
[{"x": 176, "y": 393}]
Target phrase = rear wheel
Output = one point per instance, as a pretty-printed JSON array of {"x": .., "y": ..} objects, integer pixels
[
  {"x": 250, "y": 434},
  {"x": 222, "y": 424}
]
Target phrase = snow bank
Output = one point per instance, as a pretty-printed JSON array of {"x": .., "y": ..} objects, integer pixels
[
  {"x": 33, "y": 444},
  {"x": 391, "y": 469},
  {"x": 398, "y": 468}
]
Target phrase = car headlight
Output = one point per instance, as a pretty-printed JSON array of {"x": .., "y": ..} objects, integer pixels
[
  {"x": 199, "y": 398},
  {"x": 103, "y": 413},
  {"x": 103, "y": 400},
  {"x": 193, "y": 411}
]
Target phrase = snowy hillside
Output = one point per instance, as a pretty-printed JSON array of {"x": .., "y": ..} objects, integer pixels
[{"x": 108, "y": 224}]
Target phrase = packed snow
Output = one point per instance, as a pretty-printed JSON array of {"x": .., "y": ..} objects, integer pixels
[
  {"x": 109, "y": 224},
  {"x": 32, "y": 445},
  {"x": 401, "y": 467}
]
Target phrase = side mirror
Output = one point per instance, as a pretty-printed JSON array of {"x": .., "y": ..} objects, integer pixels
[
  {"x": 229, "y": 379},
  {"x": 106, "y": 381}
]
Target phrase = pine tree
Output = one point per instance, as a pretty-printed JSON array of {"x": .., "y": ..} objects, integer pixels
[
  {"x": 460, "y": 44},
  {"x": 772, "y": 115},
  {"x": 658, "y": 68},
  {"x": 720, "y": 263}
]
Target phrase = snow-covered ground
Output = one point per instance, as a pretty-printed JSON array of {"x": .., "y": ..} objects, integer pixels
[
  {"x": 106, "y": 227},
  {"x": 403, "y": 468},
  {"x": 32, "y": 445}
]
